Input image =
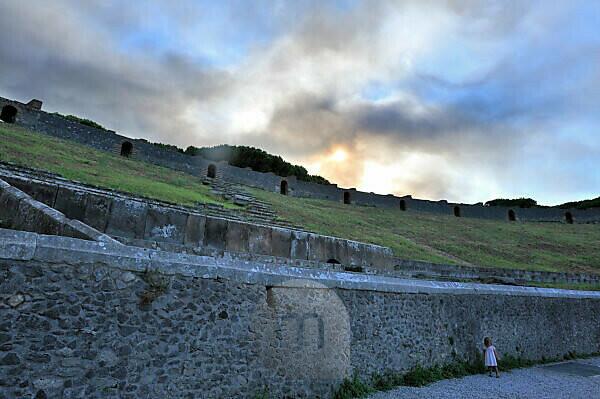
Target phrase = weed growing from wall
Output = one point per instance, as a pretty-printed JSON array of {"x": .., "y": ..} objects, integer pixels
[{"x": 156, "y": 285}]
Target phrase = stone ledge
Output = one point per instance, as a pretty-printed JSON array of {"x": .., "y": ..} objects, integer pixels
[
  {"x": 55, "y": 249},
  {"x": 413, "y": 268},
  {"x": 17, "y": 245}
]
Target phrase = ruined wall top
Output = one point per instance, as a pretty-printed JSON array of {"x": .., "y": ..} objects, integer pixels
[{"x": 31, "y": 116}]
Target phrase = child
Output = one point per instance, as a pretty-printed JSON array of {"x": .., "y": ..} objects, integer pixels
[{"x": 491, "y": 356}]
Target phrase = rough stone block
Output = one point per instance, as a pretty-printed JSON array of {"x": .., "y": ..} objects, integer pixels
[
  {"x": 259, "y": 240},
  {"x": 163, "y": 224},
  {"x": 17, "y": 245},
  {"x": 71, "y": 202},
  {"x": 338, "y": 250},
  {"x": 281, "y": 241},
  {"x": 77, "y": 229},
  {"x": 69, "y": 250},
  {"x": 299, "y": 245},
  {"x": 324, "y": 249},
  {"x": 317, "y": 248},
  {"x": 237, "y": 237},
  {"x": 96, "y": 211},
  {"x": 380, "y": 257},
  {"x": 37, "y": 217},
  {"x": 9, "y": 204},
  {"x": 356, "y": 254},
  {"x": 194, "y": 231},
  {"x": 43, "y": 192},
  {"x": 127, "y": 218},
  {"x": 215, "y": 233}
]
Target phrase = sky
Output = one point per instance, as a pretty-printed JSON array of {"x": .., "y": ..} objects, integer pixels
[{"x": 459, "y": 100}]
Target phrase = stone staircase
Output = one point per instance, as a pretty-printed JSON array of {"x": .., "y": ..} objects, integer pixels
[{"x": 254, "y": 210}]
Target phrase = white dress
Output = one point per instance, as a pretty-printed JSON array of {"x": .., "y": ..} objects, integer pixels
[{"x": 490, "y": 357}]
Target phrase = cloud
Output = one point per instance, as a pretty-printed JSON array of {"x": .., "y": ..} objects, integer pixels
[{"x": 463, "y": 94}]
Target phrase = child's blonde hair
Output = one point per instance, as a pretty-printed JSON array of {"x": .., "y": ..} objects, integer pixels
[{"x": 487, "y": 341}]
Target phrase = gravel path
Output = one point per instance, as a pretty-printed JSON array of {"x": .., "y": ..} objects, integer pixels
[{"x": 532, "y": 383}]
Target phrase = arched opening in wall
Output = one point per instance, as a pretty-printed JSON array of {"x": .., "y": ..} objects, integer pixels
[
  {"x": 346, "y": 197},
  {"x": 569, "y": 217},
  {"x": 334, "y": 261},
  {"x": 212, "y": 171},
  {"x": 402, "y": 205},
  {"x": 283, "y": 187},
  {"x": 8, "y": 114},
  {"x": 511, "y": 215},
  {"x": 457, "y": 211},
  {"x": 126, "y": 149}
]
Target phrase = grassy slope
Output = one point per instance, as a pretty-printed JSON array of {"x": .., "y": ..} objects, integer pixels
[
  {"x": 423, "y": 236},
  {"x": 78, "y": 162},
  {"x": 411, "y": 235}
]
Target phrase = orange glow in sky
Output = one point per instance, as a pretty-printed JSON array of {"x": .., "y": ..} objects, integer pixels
[{"x": 339, "y": 155}]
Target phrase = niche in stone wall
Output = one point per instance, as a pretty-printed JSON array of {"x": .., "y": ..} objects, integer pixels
[
  {"x": 511, "y": 215},
  {"x": 126, "y": 149},
  {"x": 346, "y": 197},
  {"x": 212, "y": 171},
  {"x": 283, "y": 187},
  {"x": 569, "y": 217},
  {"x": 334, "y": 261},
  {"x": 457, "y": 211},
  {"x": 402, "y": 205},
  {"x": 8, "y": 114}
]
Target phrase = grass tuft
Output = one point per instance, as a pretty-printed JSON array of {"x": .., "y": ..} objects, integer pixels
[{"x": 353, "y": 388}]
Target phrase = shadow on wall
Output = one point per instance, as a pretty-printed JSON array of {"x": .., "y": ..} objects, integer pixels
[
  {"x": 511, "y": 215},
  {"x": 347, "y": 197},
  {"x": 402, "y": 205},
  {"x": 212, "y": 171},
  {"x": 8, "y": 114},
  {"x": 126, "y": 149},
  {"x": 569, "y": 217}
]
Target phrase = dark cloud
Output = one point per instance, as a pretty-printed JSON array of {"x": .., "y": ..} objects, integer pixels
[{"x": 297, "y": 88}]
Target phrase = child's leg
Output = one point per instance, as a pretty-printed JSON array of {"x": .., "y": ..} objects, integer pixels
[
  {"x": 497, "y": 372},
  {"x": 490, "y": 368}
]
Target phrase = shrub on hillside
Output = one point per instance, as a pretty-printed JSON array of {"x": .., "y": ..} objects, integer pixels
[
  {"x": 256, "y": 159},
  {"x": 517, "y": 202}
]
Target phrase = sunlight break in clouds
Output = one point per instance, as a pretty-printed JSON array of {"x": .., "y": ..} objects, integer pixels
[{"x": 463, "y": 100}]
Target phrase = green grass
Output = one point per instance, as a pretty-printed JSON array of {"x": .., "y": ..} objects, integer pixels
[
  {"x": 447, "y": 239},
  {"x": 98, "y": 168},
  {"x": 567, "y": 286},
  {"x": 410, "y": 234}
]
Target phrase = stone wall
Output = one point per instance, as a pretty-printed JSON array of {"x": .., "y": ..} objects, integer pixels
[
  {"x": 55, "y": 125},
  {"x": 133, "y": 218},
  {"x": 82, "y": 319},
  {"x": 104, "y": 140},
  {"x": 21, "y": 212},
  {"x": 419, "y": 269}
]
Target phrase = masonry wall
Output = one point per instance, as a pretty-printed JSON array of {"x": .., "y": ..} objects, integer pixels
[
  {"x": 104, "y": 140},
  {"x": 81, "y": 323},
  {"x": 57, "y": 126},
  {"x": 130, "y": 218}
]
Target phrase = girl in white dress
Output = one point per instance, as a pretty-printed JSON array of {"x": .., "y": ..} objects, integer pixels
[{"x": 491, "y": 356}]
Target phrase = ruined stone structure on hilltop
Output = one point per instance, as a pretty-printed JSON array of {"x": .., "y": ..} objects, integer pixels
[
  {"x": 31, "y": 116},
  {"x": 104, "y": 294}
]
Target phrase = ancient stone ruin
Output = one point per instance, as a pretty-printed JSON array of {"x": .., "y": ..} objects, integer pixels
[{"x": 105, "y": 294}]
